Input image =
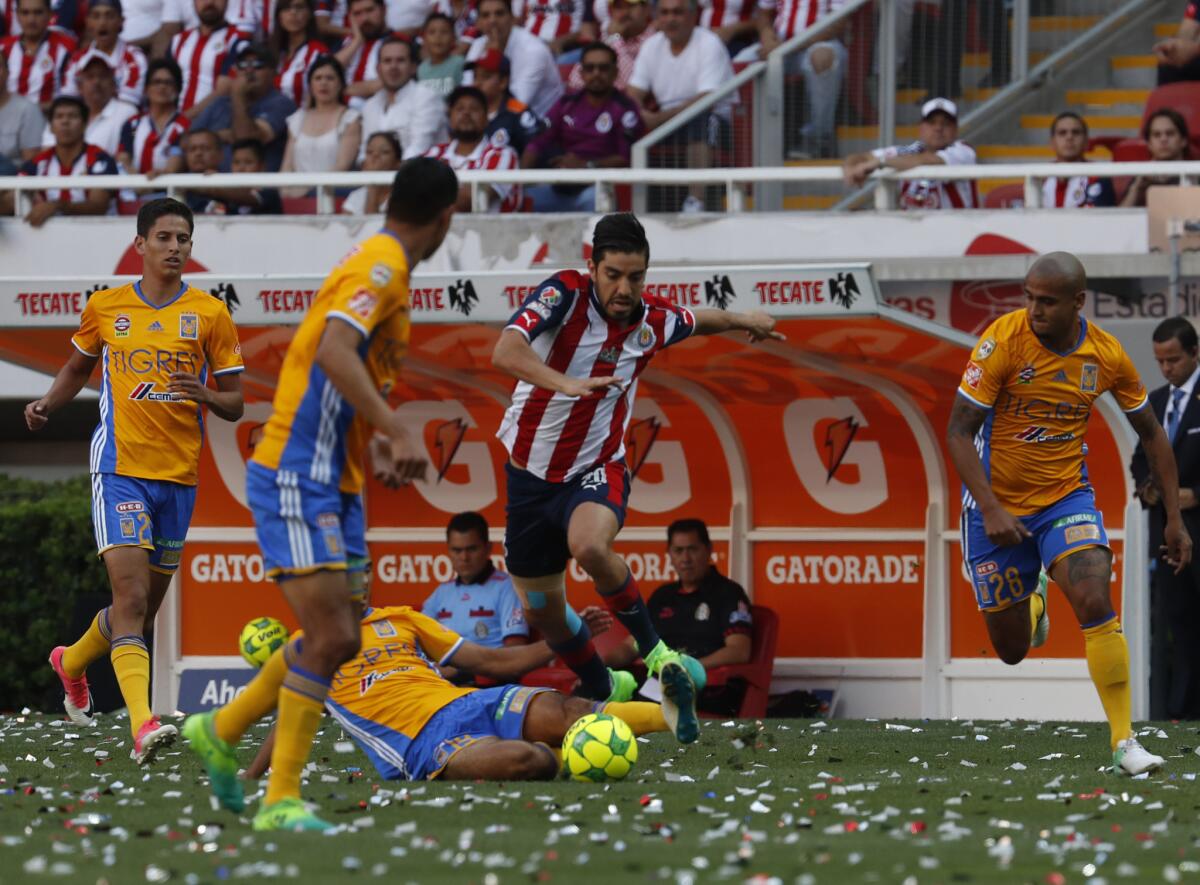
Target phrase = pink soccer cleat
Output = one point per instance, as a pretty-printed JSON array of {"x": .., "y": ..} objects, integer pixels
[
  {"x": 77, "y": 697},
  {"x": 152, "y": 736}
]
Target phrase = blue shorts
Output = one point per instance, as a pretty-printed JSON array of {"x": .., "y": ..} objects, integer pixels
[
  {"x": 304, "y": 526},
  {"x": 151, "y": 513},
  {"x": 487, "y": 713},
  {"x": 1004, "y": 576},
  {"x": 538, "y": 513}
]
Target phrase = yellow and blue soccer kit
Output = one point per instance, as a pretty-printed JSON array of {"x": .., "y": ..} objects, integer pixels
[
  {"x": 304, "y": 482},
  {"x": 398, "y": 708},
  {"x": 1031, "y": 445},
  {"x": 145, "y": 452}
]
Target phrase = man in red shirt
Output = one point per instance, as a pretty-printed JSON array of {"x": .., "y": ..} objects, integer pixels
[
  {"x": 469, "y": 149},
  {"x": 593, "y": 128},
  {"x": 37, "y": 59}
]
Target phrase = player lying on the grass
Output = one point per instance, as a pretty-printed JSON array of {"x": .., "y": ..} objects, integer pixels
[
  {"x": 576, "y": 347},
  {"x": 412, "y": 723},
  {"x": 158, "y": 341},
  {"x": 1016, "y": 438}
]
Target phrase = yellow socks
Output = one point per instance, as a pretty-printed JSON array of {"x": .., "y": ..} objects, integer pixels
[
  {"x": 301, "y": 700},
  {"x": 91, "y": 646},
  {"x": 1037, "y": 605},
  {"x": 258, "y": 699},
  {"x": 1108, "y": 665},
  {"x": 641, "y": 716},
  {"x": 131, "y": 663}
]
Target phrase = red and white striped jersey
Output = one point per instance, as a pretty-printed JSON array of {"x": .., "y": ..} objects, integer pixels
[
  {"x": 90, "y": 161},
  {"x": 130, "y": 65},
  {"x": 38, "y": 75},
  {"x": 550, "y": 19},
  {"x": 364, "y": 62},
  {"x": 293, "y": 71},
  {"x": 794, "y": 16},
  {"x": 556, "y": 437},
  {"x": 1077, "y": 191},
  {"x": 204, "y": 57},
  {"x": 149, "y": 148},
  {"x": 334, "y": 10},
  {"x": 252, "y": 17},
  {"x": 930, "y": 194},
  {"x": 487, "y": 155},
  {"x": 722, "y": 13}
]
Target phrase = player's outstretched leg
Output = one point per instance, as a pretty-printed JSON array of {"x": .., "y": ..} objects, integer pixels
[
  {"x": 492, "y": 759},
  {"x": 1084, "y": 576},
  {"x": 590, "y": 535},
  {"x": 214, "y": 736},
  {"x": 544, "y": 601},
  {"x": 552, "y": 714},
  {"x": 322, "y": 603}
]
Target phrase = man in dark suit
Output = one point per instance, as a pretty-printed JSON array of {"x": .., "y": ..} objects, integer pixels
[{"x": 1175, "y": 599}]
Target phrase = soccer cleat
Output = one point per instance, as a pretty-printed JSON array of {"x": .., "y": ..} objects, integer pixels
[
  {"x": 661, "y": 655},
  {"x": 1042, "y": 629},
  {"x": 77, "y": 697},
  {"x": 151, "y": 737},
  {"x": 219, "y": 760},
  {"x": 1132, "y": 758},
  {"x": 289, "y": 815},
  {"x": 679, "y": 701},
  {"x": 623, "y": 686}
]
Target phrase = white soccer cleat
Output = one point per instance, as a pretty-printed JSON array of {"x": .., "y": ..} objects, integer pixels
[
  {"x": 152, "y": 737},
  {"x": 1132, "y": 758}
]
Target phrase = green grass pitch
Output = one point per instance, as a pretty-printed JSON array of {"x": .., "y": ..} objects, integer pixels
[{"x": 793, "y": 801}]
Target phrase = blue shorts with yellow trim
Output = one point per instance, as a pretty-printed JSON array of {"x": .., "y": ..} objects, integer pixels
[
  {"x": 1004, "y": 576},
  {"x": 487, "y": 713},
  {"x": 128, "y": 511},
  {"x": 302, "y": 525}
]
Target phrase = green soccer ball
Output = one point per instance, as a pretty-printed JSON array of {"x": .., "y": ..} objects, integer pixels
[
  {"x": 599, "y": 747},
  {"x": 260, "y": 639}
]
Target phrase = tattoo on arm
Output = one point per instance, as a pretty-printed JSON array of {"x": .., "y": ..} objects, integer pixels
[{"x": 965, "y": 419}]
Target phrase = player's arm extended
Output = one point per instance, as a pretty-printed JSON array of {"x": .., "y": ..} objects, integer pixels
[
  {"x": 505, "y": 664},
  {"x": 514, "y": 356},
  {"x": 757, "y": 325},
  {"x": 1161, "y": 459},
  {"x": 965, "y": 420},
  {"x": 67, "y": 383}
]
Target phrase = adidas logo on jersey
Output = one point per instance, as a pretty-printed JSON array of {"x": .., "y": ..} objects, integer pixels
[{"x": 155, "y": 326}]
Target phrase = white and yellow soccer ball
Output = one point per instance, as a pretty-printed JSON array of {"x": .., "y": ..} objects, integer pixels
[
  {"x": 599, "y": 747},
  {"x": 260, "y": 639}
]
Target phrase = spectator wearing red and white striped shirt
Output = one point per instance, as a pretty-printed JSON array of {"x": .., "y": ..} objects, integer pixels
[
  {"x": 468, "y": 149},
  {"x": 628, "y": 27},
  {"x": 590, "y": 338},
  {"x": 1069, "y": 140},
  {"x": 64, "y": 16},
  {"x": 937, "y": 145},
  {"x": 822, "y": 63},
  {"x": 205, "y": 55},
  {"x": 731, "y": 20},
  {"x": 360, "y": 54},
  {"x": 37, "y": 59},
  {"x": 294, "y": 39},
  {"x": 107, "y": 114},
  {"x": 560, "y": 24},
  {"x": 151, "y": 142},
  {"x": 71, "y": 155},
  {"x": 105, "y": 20}
]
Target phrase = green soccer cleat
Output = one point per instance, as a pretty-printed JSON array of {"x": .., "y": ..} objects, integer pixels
[
  {"x": 219, "y": 760},
  {"x": 682, "y": 678},
  {"x": 623, "y": 686},
  {"x": 662, "y": 655},
  {"x": 1042, "y": 629},
  {"x": 289, "y": 815}
]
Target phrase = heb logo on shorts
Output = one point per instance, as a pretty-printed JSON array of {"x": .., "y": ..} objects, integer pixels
[
  {"x": 130, "y": 507},
  {"x": 145, "y": 391},
  {"x": 986, "y": 568},
  {"x": 328, "y": 520}
]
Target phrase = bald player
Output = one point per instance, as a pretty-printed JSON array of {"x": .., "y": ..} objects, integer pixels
[{"x": 1016, "y": 438}]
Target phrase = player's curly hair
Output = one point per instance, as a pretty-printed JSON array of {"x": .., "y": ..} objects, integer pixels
[{"x": 619, "y": 232}]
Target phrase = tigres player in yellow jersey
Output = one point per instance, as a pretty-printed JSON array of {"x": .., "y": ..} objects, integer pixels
[
  {"x": 411, "y": 722},
  {"x": 304, "y": 481},
  {"x": 1016, "y": 437},
  {"x": 157, "y": 342}
]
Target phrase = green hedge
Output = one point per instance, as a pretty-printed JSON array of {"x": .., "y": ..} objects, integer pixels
[{"x": 47, "y": 562}]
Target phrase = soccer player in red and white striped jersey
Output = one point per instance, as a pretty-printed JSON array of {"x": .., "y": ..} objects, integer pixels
[
  {"x": 577, "y": 347},
  {"x": 294, "y": 39},
  {"x": 205, "y": 54},
  {"x": 71, "y": 155},
  {"x": 151, "y": 142},
  {"x": 562, "y": 24},
  {"x": 37, "y": 59},
  {"x": 468, "y": 149},
  {"x": 104, "y": 22}
]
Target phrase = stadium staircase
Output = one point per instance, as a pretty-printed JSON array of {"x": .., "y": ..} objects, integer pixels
[{"x": 1110, "y": 92}]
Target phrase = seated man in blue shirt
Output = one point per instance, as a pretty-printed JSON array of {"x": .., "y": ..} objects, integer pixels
[{"x": 480, "y": 603}]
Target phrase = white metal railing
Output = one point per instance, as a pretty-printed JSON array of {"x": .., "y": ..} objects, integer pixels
[{"x": 1032, "y": 174}]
